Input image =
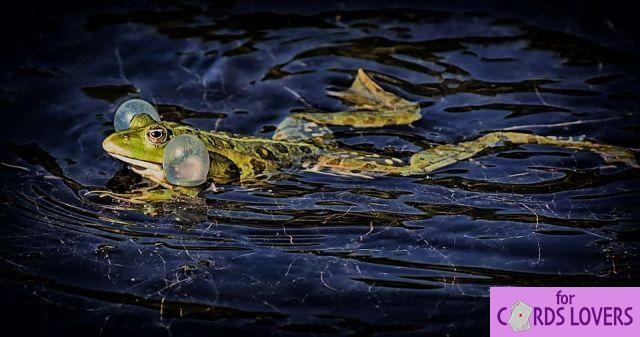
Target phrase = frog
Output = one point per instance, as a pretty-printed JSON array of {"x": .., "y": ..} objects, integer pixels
[{"x": 304, "y": 141}]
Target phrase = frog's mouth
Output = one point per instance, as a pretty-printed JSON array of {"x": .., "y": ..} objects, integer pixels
[{"x": 141, "y": 167}]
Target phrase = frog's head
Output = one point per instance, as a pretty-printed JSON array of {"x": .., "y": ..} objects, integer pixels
[{"x": 142, "y": 145}]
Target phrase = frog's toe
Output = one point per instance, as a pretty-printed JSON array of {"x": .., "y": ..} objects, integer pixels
[{"x": 620, "y": 155}]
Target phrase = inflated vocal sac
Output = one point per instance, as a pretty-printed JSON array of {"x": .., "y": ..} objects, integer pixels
[
  {"x": 129, "y": 109},
  {"x": 186, "y": 161}
]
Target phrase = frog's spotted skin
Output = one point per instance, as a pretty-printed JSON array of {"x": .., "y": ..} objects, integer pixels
[
  {"x": 232, "y": 157},
  {"x": 235, "y": 156},
  {"x": 303, "y": 140}
]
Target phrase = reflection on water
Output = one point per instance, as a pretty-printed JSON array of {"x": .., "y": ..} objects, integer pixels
[{"x": 305, "y": 252}]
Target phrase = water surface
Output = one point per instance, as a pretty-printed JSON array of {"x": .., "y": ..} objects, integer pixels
[{"x": 308, "y": 252}]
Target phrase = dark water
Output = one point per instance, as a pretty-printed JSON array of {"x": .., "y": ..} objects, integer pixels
[{"x": 310, "y": 253}]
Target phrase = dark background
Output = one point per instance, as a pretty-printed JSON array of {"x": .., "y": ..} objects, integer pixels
[{"x": 46, "y": 305}]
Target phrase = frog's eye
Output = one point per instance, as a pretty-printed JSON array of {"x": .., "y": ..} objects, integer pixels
[
  {"x": 157, "y": 134},
  {"x": 185, "y": 161},
  {"x": 131, "y": 108}
]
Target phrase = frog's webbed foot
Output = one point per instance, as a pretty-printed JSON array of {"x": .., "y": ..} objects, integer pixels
[
  {"x": 367, "y": 96},
  {"x": 610, "y": 153},
  {"x": 447, "y": 154},
  {"x": 374, "y": 107}
]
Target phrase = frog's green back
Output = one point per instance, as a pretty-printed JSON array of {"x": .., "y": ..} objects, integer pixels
[{"x": 235, "y": 156}]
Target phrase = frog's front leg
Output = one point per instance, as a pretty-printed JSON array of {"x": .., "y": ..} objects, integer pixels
[{"x": 151, "y": 195}]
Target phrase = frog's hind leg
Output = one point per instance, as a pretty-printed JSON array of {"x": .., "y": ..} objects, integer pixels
[
  {"x": 447, "y": 154},
  {"x": 373, "y": 107},
  {"x": 296, "y": 128},
  {"x": 358, "y": 164}
]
